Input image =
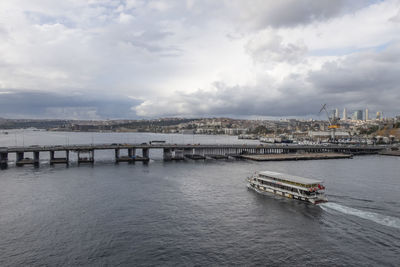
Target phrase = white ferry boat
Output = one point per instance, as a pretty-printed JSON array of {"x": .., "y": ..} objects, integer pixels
[{"x": 287, "y": 185}]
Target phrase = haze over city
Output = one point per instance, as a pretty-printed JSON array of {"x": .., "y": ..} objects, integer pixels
[{"x": 135, "y": 59}]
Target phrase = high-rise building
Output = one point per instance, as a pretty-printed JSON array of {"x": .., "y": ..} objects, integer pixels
[
  {"x": 378, "y": 115},
  {"x": 344, "y": 114},
  {"x": 358, "y": 115},
  {"x": 332, "y": 113},
  {"x": 366, "y": 114},
  {"x": 337, "y": 113}
]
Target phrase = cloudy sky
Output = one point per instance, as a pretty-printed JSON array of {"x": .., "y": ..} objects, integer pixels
[{"x": 100, "y": 59}]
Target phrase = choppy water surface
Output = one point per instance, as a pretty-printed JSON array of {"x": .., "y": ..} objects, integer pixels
[{"x": 194, "y": 213}]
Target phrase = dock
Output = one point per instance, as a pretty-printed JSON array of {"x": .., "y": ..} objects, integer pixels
[
  {"x": 306, "y": 156},
  {"x": 390, "y": 153}
]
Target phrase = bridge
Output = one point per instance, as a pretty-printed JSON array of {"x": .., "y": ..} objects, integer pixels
[{"x": 86, "y": 152}]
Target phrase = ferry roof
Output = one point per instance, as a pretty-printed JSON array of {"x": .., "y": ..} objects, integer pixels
[{"x": 289, "y": 177}]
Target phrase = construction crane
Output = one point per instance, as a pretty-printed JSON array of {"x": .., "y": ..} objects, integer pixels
[{"x": 333, "y": 122}]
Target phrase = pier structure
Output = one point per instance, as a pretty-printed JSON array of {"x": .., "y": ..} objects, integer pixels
[
  {"x": 131, "y": 156},
  {"x": 86, "y": 153},
  {"x": 3, "y": 160},
  {"x": 85, "y": 156},
  {"x": 59, "y": 160}
]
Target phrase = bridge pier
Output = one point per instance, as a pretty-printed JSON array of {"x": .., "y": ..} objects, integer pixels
[
  {"x": 173, "y": 154},
  {"x": 19, "y": 159},
  {"x": 132, "y": 152},
  {"x": 191, "y": 154},
  {"x": 145, "y": 153},
  {"x": 117, "y": 155},
  {"x": 178, "y": 154},
  {"x": 167, "y": 154},
  {"x": 36, "y": 158},
  {"x": 3, "y": 160},
  {"x": 131, "y": 158},
  {"x": 59, "y": 160},
  {"x": 89, "y": 158}
]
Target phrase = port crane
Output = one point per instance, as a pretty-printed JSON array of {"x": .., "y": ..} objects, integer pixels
[{"x": 333, "y": 122}]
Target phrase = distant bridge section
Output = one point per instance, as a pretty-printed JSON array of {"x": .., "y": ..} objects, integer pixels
[{"x": 86, "y": 152}]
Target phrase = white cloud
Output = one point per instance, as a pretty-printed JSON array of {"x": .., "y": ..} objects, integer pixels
[
  {"x": 267, "y": 46},
  {"x": 125, "y": 18}
]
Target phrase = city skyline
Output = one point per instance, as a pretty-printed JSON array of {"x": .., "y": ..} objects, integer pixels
[{"x": 148, "y": 59}]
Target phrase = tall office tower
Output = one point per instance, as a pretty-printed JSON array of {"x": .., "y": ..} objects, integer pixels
[
  {"x": 378, "y": 115},
  {"x": 332, "y": 113},
  {"x": 366, "y": 114},
  {"x": 344, "y": 114},
  {"x": 358, "y": 115},
  {"x": 336, "y": 113}
]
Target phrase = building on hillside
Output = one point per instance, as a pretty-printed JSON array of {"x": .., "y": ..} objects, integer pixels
[{"x": 327, "y": 134}]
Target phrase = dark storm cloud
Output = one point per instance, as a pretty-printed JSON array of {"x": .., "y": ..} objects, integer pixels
[
  {"x": 235, "y": 101},
  {"x": 33, "y": 104},
  {"x": 289, "y": 13},
  {"x": 260, "y": 14},
  {"x": 369, "y": 79}
]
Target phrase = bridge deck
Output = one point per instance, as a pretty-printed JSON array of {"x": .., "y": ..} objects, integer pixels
[{"x": 86, "y": 147}]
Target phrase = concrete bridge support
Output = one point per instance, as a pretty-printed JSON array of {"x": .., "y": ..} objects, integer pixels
[
  {"x": 167, "y": 154},
  {"x": 188, "y": 151},
  {"x": 3, "y": 160},
  {"x": 19, "y": 159},
  {"x": 145, "y": 153},
  {"x": 59, "y": 160},
  {"x": 67, "y": 156},
  {"x": 88, "y": 158},
  {"x": 117, "y": 152},
  {"x": 131, "y": 158},
  {"x": 20, "y": 156},
  {"x": 131, "y": 152},
  {"x": 36, "y": 158},
  {"x": 178, "y": 154}
]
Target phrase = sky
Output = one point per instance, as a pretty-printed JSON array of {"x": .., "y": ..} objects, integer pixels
[{"x": 136, "y": 59}]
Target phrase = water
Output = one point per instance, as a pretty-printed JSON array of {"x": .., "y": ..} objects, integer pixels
[{"x": 194, "y": 213}]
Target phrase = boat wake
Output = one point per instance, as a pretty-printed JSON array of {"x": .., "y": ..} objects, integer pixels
[{"x": 375, "y": 217}]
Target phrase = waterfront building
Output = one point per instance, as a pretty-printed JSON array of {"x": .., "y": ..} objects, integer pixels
[{"x": 319, "y": 135}]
